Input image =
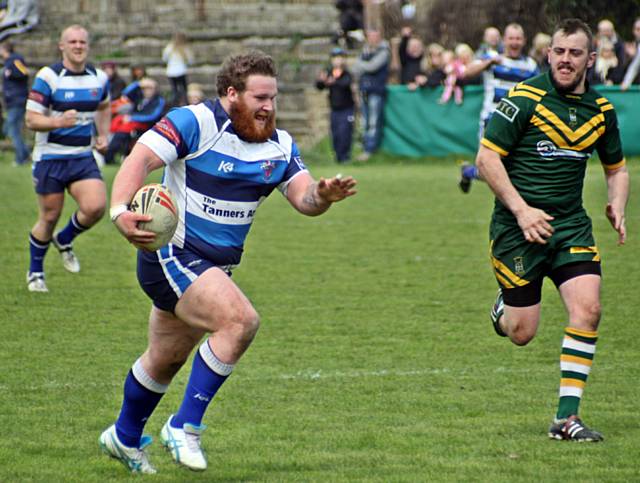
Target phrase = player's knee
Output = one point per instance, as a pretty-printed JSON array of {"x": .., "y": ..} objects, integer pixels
[
  {"x": 249, "y": 322},
  {"x": 588, "y": 316},
  {"x": 521, "y": 334},
  {"x": 94, "y": 213}
]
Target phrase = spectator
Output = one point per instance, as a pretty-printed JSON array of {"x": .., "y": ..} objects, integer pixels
[
  {"x": 455, "y": 72},
  {"x": 126, "y": 128},
  {"x": 606, "y": 63},
  {"x": 137, "y": 72},
  {"x": 195, "y": 94},
  {"x": 15, "y": 77},
  {"x": 372, "y": 66},
  {"x": 491, "y": 43},
  {"x": 435, "y": 64},
  {"x": 607, "y": 31},
  {"x": 539, "y": 50},
  {"x": 351, "y": 19},
  {"x": 411, "y": 52},
  {"x": 178, "y": 56},
  {"x": 21, "y": 16},
  {"x": 116, "y": 83},
  {"x": 338, "y": 80},
  {"x": 631, "y": 75},
  {"x": 500, "y": 73}
]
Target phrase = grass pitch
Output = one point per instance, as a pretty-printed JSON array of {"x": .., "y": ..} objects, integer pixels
[{"x": 376, "y": 360}]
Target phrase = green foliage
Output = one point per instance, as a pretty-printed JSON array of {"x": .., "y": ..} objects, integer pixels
[{"x": 375, "y": 361}]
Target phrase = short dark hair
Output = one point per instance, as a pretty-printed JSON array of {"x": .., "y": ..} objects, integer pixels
[
  {"x": 237, "y": 68},
  {"x": 570, "y": 26}
]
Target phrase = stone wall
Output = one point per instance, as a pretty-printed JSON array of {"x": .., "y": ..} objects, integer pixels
[{"x": 297, "y": 33}]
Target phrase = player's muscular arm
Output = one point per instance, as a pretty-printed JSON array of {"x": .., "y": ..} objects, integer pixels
[
  {"x": 103, "y": 121},
  {"x": 40, "y": 122},
  {"x": 533, "y": 222},
  {"x": 313, "y": 198},
  {"x": 128, "y": 180},
  {"x": 618, "y": 194}
]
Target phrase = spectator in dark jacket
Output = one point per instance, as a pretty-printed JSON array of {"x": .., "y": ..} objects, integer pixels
[
  {"x": 631, "y": 74},
  {"x": 128, "y": 127},
  {"x": 116, "y": 83},
  {"x": 373, "y": 68},
  {"x": 411, "y": 52},
  {"x": 338, "y": 80},
  {"x": 15, "y": 77}
]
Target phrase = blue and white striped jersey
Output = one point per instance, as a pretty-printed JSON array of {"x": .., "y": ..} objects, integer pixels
[
  {"x": 500, "y": 78},
  {"x": 218, "y": 179},
  {"x": 55, "y": 90}
]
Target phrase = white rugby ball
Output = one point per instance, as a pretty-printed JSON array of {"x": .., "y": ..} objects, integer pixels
[{"x": 156, "y": 201}]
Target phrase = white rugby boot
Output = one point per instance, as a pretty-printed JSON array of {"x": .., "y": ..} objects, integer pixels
[
  {"x": 184, "y": 444},
  {"x": 69, "y": 260},
  {"x": 35, "y": 282},
  {"x": 135, "y": 459}
]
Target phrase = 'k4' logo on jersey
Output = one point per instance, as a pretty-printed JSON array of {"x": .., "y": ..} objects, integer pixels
[
  {"x": 225, "y": 166},
  {"x": 573, "y": 116},
  {"x": 267, "y": 168}
]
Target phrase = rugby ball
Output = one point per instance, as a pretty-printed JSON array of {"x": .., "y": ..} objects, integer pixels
[{"x": 156, "y": 201}]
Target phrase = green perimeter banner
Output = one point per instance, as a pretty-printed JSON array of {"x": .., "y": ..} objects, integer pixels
[{"x": 416, "y": 125}]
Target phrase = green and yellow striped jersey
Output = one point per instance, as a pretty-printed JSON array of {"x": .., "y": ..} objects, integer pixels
[{"x": 545, "y": 139}]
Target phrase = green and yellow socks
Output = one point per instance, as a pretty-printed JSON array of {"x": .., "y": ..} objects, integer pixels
[{"x": 578, "y": 350}]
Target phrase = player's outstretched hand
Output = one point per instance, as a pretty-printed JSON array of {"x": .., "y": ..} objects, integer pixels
[
  {"x": 336, "y": 188},
  {"x": 127, "y": 224},
  {"x": 616, "y": 218},
  {"x": 535, "y": 225}
]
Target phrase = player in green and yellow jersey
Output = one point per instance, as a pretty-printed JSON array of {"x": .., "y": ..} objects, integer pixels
[{"x": 533, "y": 156}]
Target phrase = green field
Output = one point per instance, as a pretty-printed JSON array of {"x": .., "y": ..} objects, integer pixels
[{"x": 375, "y": 361}]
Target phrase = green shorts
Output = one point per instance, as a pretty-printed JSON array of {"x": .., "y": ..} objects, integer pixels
[{"x": 517, "y": 262}]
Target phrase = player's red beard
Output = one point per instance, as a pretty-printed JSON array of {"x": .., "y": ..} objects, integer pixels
[{"x": 245, "y": 124}]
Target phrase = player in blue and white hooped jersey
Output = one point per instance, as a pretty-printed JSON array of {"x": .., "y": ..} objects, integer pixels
[
  {"x": 68, "y": 107},
  {"x": 221, "y": 159},
  {"x": 500, "y": 73}
]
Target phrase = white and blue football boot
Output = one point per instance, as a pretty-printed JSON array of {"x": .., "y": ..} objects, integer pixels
[
  {"x": 184, "y": 445},
  {"x": 135, "y": 459}
]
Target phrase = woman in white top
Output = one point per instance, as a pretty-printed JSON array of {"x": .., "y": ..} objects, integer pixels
[{"x": 178, "y": 56}]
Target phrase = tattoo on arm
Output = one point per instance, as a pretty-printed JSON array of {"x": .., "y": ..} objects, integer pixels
[{"x": 309, "y": 198}]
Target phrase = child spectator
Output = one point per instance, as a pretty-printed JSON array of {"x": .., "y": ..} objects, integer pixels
[
  {"x": 338, "y": 80},
  {"x": 434, "y": 68},
  {"x": 606, "y": 63},
  {"x": 195, "y": 94},
  {"x": 539, "y": 49},
  {"x": 455, "y": 74}
]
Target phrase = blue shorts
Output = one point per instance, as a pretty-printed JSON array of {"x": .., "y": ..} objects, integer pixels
[
  {"x": 54, "y": 175},
  {"x": 164, "y": 275}
]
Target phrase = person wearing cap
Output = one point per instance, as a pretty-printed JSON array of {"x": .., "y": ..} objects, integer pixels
[{"x": 337, "y": 80}]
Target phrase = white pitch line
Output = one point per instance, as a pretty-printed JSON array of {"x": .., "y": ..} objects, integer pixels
[{"x": 305, "y": 375}]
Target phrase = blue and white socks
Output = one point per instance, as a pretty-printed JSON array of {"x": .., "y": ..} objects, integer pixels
[
  {"x": 141, "y": 396},
  {"x": 37, "y": 250},
  {"x": 65, "y": 236},
  {"x": 208, "y": 373}
]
